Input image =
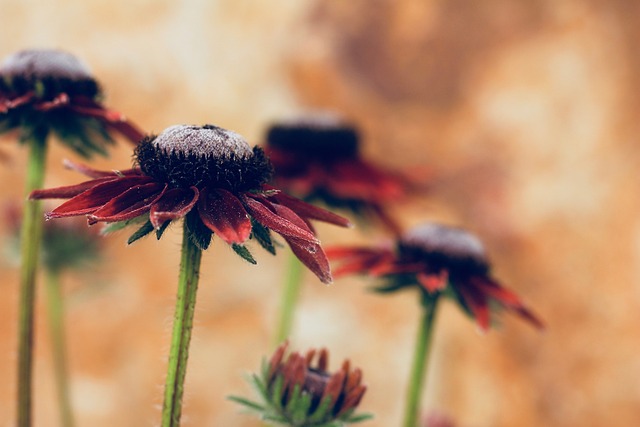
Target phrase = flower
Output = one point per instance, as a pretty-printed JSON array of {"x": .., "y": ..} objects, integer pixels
[
  {"x": 318, "y": 158},
  {"x": 298, "y": 392},
  {"x": 66, "y": 245},
  {"x": 209, "y": 176},
  {"x": 437, "y": 259},
  {"x": 52, "y": 89}
]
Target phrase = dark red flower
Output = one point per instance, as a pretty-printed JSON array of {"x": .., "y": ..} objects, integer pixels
[
  {"x": 213, "y": 179},
  {"x": 318, "y": 158},
  {"x": 298, "y": 390},
  {"x": 438, "y": 259},
  {"x": 43, "y": 90}
]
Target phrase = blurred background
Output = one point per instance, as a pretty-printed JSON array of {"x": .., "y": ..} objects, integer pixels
[{"x": 525, "y": 113}]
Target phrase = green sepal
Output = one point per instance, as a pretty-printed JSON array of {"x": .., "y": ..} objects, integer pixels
[
  {"x": 244, "y": 253},
  {"x": 199, "y": 234},
  {"x": 300, "y": 411},
  {"x": 263, "y": 235},
  {"x": 163, "y": 227},
  {"x": 112, "y": 227},
  {"x": 277, "y": 391},
  {"x": 146, "y": 228},
  {"x": 248, "y": 403},
  {"x": 322, "y": 412},
  {"x": 352, "y": 418}
]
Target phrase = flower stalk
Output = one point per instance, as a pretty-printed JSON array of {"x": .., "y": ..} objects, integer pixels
[
  {"x": 182, "y": 327},
  {"x": 31, "y": 235},
  {"x": 55, "y": 309},
  {"x": 420, "y": 359},
  {"x": 290, "y": 296}
]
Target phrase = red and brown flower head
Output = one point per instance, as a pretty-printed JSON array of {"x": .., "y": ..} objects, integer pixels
[
  {"x": 210, "y": 177},
  {"x": 298, "y": 390},
  {"x": 43, "y": 90},
  {"x": 318, "y": 158},
  {"x": 437, "y": 259}
]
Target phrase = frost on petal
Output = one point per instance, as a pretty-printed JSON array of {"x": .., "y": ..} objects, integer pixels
[
  {"x": 261, "y": 210},
  {"x": 224, "y": 214},
  {"x": 97, "y": 196},
  {"x": 130, "y": 204},
  {"x": 174, "y": 204}
]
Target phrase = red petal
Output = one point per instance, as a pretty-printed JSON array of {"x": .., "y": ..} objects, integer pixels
[
  {"x": 434, "y": 282},
  {"x": 95, "y": 173},
  {"x": 477, "y": 303},
  {"x": 174, "y": 204},
  {"x": 17, "y": 102},
  {"x": 311, "y": 254},
  {"x": 112, "y": 118},
  {"x": 260, "y": 210},
  {"x": 96, "y": 196},
  {"x": 68, "y": 191},
  {"x": 60, "y": 100},
  {"x": 224, "y": 214},
  {"x": 130, "y": 204},
  {"x": 309, "y": 211}
]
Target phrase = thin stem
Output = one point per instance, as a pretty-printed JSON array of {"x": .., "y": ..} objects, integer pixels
[
  {"x": 417, "y": 376},
  {"x": 182, "y": 326},
  {"x": 30, "y": 237},
  {"x": 289, "y": 300},
  {"x": 55, "y": 309}
]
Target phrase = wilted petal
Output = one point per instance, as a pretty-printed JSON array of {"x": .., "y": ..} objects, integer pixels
[
  {"x": 95, "y": 173},
  {"x": 174, "y": 204},
  {"x": 68, "y": 191},
  {"x": 311, "y": 254},
  {"x": 97, "y": 196},
  {"x": 224, "y": 214},
  {"x": 309, "y": 211},
  {"x": 259, "y": 210},
  {"x": 130, "y": 204}
]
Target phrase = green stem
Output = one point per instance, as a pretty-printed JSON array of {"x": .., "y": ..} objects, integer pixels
[
  {"x": 55, "y": 309},
  {"x": 290, "y": 295},
  {"x": 30, "y": 237},
  {"x": 182, "y": 326},
  {"x": 417, "y": 376}
]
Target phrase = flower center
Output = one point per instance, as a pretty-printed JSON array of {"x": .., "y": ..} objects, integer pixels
[
  {"x": 47, "y": 73},
  {"x": 443, "y": 247},
  {"x": 323, "y": 137},
  {"x": 207, "y": 156}
]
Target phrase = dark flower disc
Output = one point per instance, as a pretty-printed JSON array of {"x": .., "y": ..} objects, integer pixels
[
  {"x": 445, "y": 248},
  {"x": 186, "y": 156},
  {"x": 318, "y": 137},
  {"x": 47, "y": 73}
]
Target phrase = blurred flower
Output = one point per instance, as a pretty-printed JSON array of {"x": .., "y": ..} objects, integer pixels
[
  {"x": 212, "y": 178},
  {"x": 436, "y": 419},
  {"x": 437, "y": 259},
  {"x": 66, "y": 245},
  {"x": 318, "y": 158},
  {"x": 297, "y": 392},
  {"x": 52, "y": 89}
]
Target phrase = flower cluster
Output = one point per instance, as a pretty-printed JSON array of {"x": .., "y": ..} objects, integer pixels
[
  {"x": 42, "y": 90},
  {"x": 209, "y": 176},
  {"x": 297, "y": 392},
  {"x": 437, "y": 259},
  {"x": 318, "y": 158}
]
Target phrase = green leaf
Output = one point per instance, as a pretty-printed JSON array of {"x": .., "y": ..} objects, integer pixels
[
  {"x": 146, "y": 228},
  {"x": 244, "y": 253}
]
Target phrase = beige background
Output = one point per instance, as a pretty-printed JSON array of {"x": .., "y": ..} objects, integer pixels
[{"x": 524, "y": 111}]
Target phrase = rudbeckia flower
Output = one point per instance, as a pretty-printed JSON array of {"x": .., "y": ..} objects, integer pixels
[
  {"x": 42, "y": 90},
  {"x": 438, "y": 260},
  {"x": 298, "y": 390},
  {"x": 318, "y": 158},
  {"x": 213, "y": 179}
]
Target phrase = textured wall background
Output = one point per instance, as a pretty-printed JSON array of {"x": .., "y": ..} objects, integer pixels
[{"x": 525, "y": 111}]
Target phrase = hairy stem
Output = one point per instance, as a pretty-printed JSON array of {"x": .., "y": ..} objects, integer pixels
[{"x": 182, "y": 327}]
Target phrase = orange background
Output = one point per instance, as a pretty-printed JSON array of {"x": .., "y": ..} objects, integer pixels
[{"x": 524, "y": 111}]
